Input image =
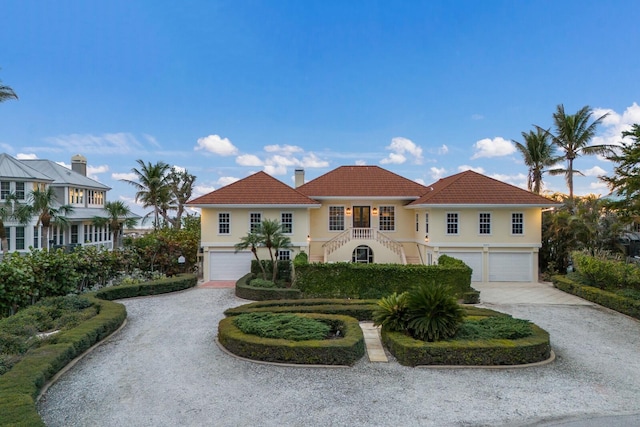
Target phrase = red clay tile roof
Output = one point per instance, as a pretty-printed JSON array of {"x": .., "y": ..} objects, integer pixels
[
  {"x": 257, "y": 189},
  {"x": 362, "y": 181},
  {"x": 473, "y": 188}
]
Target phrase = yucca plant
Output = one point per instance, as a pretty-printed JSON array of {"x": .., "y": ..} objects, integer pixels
[
  {"x": 391, "y": 312},
  {"x": 433, "y": 312}
]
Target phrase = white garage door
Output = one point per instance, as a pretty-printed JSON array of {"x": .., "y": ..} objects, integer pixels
[
  {"x": 229, "y": 265},
  {"x": 473, "y": 260},
  {"x": 510, "y": 267}
]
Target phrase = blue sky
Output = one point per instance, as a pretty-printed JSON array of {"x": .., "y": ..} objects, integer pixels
[{"x": 227, "y": 88}]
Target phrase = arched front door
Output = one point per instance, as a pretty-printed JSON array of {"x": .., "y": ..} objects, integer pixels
[{"x": 362, "y": 254}]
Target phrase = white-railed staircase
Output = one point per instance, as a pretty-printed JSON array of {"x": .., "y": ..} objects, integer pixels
[{"x": 363, "y": 234}]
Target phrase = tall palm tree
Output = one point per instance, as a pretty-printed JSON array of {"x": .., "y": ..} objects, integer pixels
[
  {"x": 251, "y": 241},
  {"x": 573, "y": 133},
  {"x": 118, "y": 215},
  {"x": 538, "y": 153},
  {"x": 41, "y": 204},
  {"x": 150, "y": 185},
  {"x": 6, "y": 93},
  {"x": 11, "y": 210}
]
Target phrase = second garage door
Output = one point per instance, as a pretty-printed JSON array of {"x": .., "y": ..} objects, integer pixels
[
  {"x": 229, "y": 265},
  {"x": 510, "y": 267}
]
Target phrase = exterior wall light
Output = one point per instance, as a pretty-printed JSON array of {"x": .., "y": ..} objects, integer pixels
[
  {"x": 426, "y": 239},
  {"x": 375, "y": 211},
  {"x": 348, "y": 211}
]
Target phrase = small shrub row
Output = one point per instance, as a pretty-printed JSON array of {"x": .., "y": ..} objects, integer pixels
[
  {"x": 605, "y": 273},
  {"x": 355, "y": 280},
  {"x": 612, "y": 300},
  {"x": 494, "y": 327},
  {"x": 489, "y": 352},
  {"x": 282, "y": 325},
  {"x": 257, "y": 293},
  {"x": 21, "y": 385},
  {"x": 358, "y": 309},
  {"x": 344, "y": 351},
  {"x": 153, "y": 287}
]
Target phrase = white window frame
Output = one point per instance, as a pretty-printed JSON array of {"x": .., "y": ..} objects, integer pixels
[
  {"x": 426, "y": 223},
  {"x": 5, "y": 189},
  {"x": 20, "y": 238},
  {"x": 253, "y": 225},
  {"x": 340, "y": 217},
  {"x": 288, "y": 223},
  {"x": 286, "y": 253},
  {"x": 390, "y": 224},
  {"x": 227, "y": 223},
  {"x": 517, "y": 220},
  {"x": 449, "y": 217},
  {"x": 482, "y": 221},
  {"x": 21, "y": 193}
]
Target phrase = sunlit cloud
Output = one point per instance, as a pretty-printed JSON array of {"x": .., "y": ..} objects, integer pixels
[
  {"x": 463, "y": 168},
  {"x": 594, "y": 171},
  {"x": 400, "y": 147},
  {"x": 495, "y": 147},
  {"x": 285, "y": 149},
  {"x": 248, "y": 160},
  {"x": 437, "y": 173},
  {"x": 128, "y": 176},
  {"x": 23, "y": 156},
  {"x": 216, "y": 145}
]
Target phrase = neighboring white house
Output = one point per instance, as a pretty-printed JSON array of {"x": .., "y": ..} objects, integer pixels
[
  {"x": 72, "y": 187},
  {"x": 369, "y": 214}
]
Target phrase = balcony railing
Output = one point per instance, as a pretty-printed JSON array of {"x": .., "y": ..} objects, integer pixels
[{"x": 363, "y": 234}]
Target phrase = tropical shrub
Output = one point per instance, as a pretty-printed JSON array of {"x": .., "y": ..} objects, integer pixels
[
  {"x": 262, "y": 283},
  {"x": 432, "y": 312},
  {"x": 494, "y": 327},
  {"x": 285, "y": 326},
  {"x": 391, "y": 312}
]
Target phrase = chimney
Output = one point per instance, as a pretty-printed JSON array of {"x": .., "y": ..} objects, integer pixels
[
  {"x": 79, "y": 164},
  {"x": 299, "y": 177}
]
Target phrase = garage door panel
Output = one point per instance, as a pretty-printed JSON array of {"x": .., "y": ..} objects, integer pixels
[
  {"x": 229, "y": 265},
  {"x": 473, "y": 260},
  {"x": 510, "y": 267}
]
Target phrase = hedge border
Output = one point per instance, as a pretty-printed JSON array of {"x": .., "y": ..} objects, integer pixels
[
  {"x": 358, "y": 309},
  {"x": 412, "y": 352},
  {"x": 611, "y": 300},
  {"x": 254, "y": 293},
  {"x": 344, "y": 351},
  {"x": 21, "y": 385}
]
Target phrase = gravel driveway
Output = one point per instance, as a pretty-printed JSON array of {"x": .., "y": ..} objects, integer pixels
[{"x": 164, "y": 369}]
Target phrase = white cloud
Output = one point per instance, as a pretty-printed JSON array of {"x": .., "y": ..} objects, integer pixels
[
  {"x": 64, "y": 165},
  {"x": 519, "y": 180},
  {"x": 443, "y": 150},
  {"x": 285, "y": 149},
  {"x": 201, "y": 190},
  {"x": 393, "y": 158},
  {"x": 216, "y": 145},
  {"x": 108, "y": 143},
  {"x": 312, "y": 161},
  {"x": 399, "y": 147},
  {"x": 275, "y": 169},
  {"x": 129, "y": 176},
  {"x": 495, "y": 147},
  {"x": 23, "y": 156},
  {"x": 151, "y": 140},
  {"x": 599, "y": 185},
  {"x": 179, "y": 169},
  {"x": 614, "y": 124},
  {"x": 463, "y": 168},
  {"x": 226, "y": 180},
  {"x": 437, "y": 173},
  {"x": 248, "y": 160},
  {"x": 594, "y": 171},
  {"x": 93, "y": 171},
  {"x": 361, "y": 162},
  {"x": 420, "y": 181}
]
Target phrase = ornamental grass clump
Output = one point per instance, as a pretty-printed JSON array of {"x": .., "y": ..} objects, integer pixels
[
  {"x": 284, "y": 326},
  {"x": 426, "y": 312}
]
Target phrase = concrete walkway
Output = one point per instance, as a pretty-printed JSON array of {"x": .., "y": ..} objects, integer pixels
[{"x": 525, "y": 293}]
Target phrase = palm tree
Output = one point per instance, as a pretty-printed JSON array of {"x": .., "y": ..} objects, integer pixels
[
  {"x": 11, "y": 210},
  {"x": 150, "y": 185},
  {"x": 6, "y": 93},
  {"x": 41, "y": 204},
  {"x": 118, "y": 215},
  {"x": 270, "y": 232},
  {"x": 279, "y": 241},
  {"x": 538, "y": 153},
  {"x": 252, "y": 241},
  {"x": 181, "y": 184},
  {"x": 573, "y": 133}
]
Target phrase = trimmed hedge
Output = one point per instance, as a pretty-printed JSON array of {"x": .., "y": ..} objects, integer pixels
[
  {"x": 342, "y": 351},
  {"x": 619, "y": 303},
  {"x": 255, "y": 293},
  {"x": 358, "y": 309},
  {"x": 354, "y": 280},
  {"x": 411, "y": 352},
  {"x": 20, "y": 386},
  {"x": 179, "y": 282}
]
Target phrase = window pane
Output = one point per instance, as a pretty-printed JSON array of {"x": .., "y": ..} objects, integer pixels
[
  {"x": 19, "y": 238},
  {"x": 517, "y": 223},
  {"x": 336, "y": 218},
  {"x": 452, "y": 223},
  {"x": 387, "y": 218},
  {"x": 254, "y": 221},
  {"x": 224, "y": 223},
  {"x": 20, "y": 190},
  {"x": 5, "y": 189},
  {"x": 485, "y": 223},
  {"x": 286, "y": 220}
]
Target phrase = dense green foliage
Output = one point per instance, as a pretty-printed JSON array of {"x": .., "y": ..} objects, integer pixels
[
  {"x": 282, "y": 325},
  {"x": 344, "y": 351},
  {"x": 358, "y": 309},
  {"x": 152, "y": 287},
  {"x": 247, "y": 291},
  {"x": 432, "y": 312},
  {"x": 625, "y": 181},
  {"x": 354, "y": 280},
  {"x": 494, "y": 327},
  {"x": 606, "y": 271},
  {"x": 613, "y": 300},
  {"x": 261, "y": 283},
  {"x": 391, "y": 312}
]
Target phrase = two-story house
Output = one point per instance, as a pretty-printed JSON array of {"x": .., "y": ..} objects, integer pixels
[
  {"x": 369, "y": 214},
  {"x": 72, "y": 187}
]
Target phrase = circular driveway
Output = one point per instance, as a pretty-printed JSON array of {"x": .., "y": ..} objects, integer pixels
[{"x": 165, "y": 369}]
